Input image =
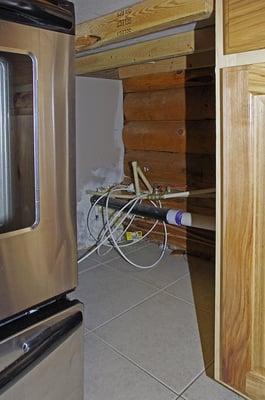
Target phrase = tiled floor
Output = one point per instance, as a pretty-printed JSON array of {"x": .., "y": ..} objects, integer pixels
[{"x": 149, "y": 334}]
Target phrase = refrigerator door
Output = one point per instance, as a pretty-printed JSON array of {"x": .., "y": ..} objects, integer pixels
[
  {"x": 45, "y": 360},
  {"x": 37, "y": 171},
  {"x": 5, "y": 156}
]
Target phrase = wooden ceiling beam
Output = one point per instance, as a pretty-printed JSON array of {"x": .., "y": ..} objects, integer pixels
[
  {"x": 166, "y": 47},
  {"x": 148, "y": 16}
]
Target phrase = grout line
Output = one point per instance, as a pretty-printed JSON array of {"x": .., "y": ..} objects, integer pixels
[
  {"x": 194, "y": 380},
  {"x": 86, "y": 332},
  {"x": 117, "y": 255},
  {"x": 158, "y": 291},
  {"x": 136, "y": 365},
  {"x": 128, "y": 273},
  {"x": 125, "y": 311},
  {"x": 188, "y": 302},
  {"x": 182, "y": 277},
  {"x": 88, "y": 269}
]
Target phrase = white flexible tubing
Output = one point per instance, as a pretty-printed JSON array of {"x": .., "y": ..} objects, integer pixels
[
  {"x": 89, "y": 253},
  {"x": 126, "y": 229},
  {"x": 128, "y": 213},
  {"x": 84, "y": 257},
  {"x": 116, "y": 216},
  {"x": 110, "y": 222},
  {"x": 121, "y": 252},
  {"x": 106, "y": 237},
  {"x": 113, "y": 220},
  {"x": 119, "y": 187},
  {"x": 103, "y": 229}
]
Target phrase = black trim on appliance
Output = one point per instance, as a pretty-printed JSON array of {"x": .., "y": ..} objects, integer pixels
[
  {"x": 33, "y": 316},
  {"x": 39, "y": 346},
  {"x": 56, "y": 15}
]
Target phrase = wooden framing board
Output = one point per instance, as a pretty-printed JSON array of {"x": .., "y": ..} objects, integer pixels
[
  {"x": 192, "y": 61},
  {"x": 171, "y": 46},
  {"x": 145, "y": 17}
]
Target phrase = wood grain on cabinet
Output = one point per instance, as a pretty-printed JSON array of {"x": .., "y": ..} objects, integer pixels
[
  {"x": 243, "y": 25},
  {"x": 256, "y": 377},
  {"x": 241, "y": 304},
  {"x": 237, "y": 229}
]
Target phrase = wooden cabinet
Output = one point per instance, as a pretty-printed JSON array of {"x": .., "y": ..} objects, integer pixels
[
  {"x": 244, "y": 25},
  {"x": 240, "y": 304}
]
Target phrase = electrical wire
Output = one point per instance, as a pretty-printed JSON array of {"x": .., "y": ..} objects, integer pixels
[
  {"x": 106, "y": 236},
  {"x": 122, "y": 253}
]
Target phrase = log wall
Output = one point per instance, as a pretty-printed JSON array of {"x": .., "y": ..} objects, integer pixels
[{"x": 170, "y": 130}]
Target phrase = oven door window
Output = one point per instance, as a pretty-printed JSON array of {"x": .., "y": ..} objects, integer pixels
[{"x": 18, "y": 202}]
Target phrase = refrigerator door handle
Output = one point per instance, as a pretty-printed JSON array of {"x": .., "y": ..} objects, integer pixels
[
  {"x": 38, "y": 9},
  {"x": 40, "y": 346}
]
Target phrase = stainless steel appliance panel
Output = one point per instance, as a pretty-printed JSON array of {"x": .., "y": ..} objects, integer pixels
[
  {"x": 38, "y": 262},
  {"x": 5, "y": 155},
  {"x": 44, "y": 361}
]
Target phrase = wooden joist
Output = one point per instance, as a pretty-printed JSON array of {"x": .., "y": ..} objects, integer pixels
[
  {"x": 136, "y": 20},
  {"x": 192, "y": 61},
  {"x": 166, "y": 47}
]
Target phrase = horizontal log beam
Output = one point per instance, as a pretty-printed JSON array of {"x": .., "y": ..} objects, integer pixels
[
  {"x": 194, "y": 137},
  {"x": 169, "y": 80},
  {"x": 177, "y": 170},
  {"x": 180, "y": 104},
  {"x": 136, "y": 20},
  {"x": 166, "y": 47},
  {"x": 192, "y": 61}
]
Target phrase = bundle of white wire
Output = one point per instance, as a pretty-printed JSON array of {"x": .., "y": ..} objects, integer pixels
[{"x": 111, "y": 224}]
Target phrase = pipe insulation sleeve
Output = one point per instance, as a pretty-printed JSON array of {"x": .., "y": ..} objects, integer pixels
[
  {"x": 179, "y": 218},
  {"x": 170, "y": 216}
]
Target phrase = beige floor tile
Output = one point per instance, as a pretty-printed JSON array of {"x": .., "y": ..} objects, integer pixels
[
  {"x": 205, "y": 388},
  {"x": 107, "y": 293},
  {"x": 169, "y": 269},
  {"x": 87, "y": 264},
  {"x": 109, "y": 376},
  {"x": 198, "y": 287},
  {"x": 162, "y": 336},
  {"x": 112, "y": 253}
]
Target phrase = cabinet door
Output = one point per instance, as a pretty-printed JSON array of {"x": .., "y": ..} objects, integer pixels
[
  {"x": 243, "y": 25},
  {"x": 240, "y": 300},
  {"x": 241, "y": 321}
]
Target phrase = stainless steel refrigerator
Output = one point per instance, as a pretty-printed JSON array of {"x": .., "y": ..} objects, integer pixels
[{"x": 41, "y": 331}]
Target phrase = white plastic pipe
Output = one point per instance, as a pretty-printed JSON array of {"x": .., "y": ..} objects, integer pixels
[{"x": 182, "y": 218}]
